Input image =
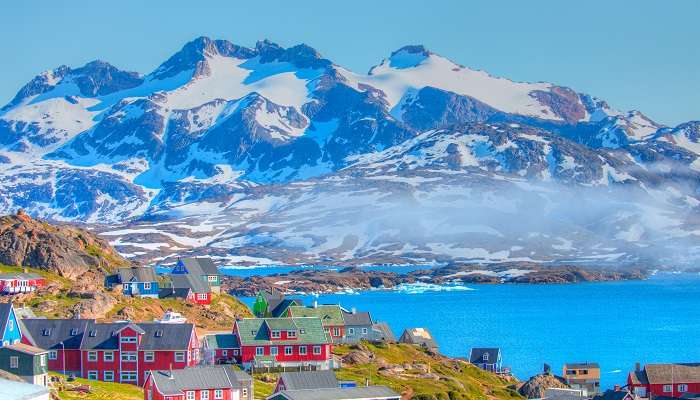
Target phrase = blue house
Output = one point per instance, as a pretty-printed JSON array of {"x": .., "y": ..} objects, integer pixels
[
  {"x": 9, "y": 327},
  {"x": 138, "y": 281}
]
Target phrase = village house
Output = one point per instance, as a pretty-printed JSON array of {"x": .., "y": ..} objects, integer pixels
[
  {"x": 331, "y": 316},
  {"x": 584, "y": 376},
  {"x": 187, "y": 287},
  {"x": 487, "y": 358},
  {"x": 9, "y": 326},
  {"x": 306, "y": 380},
  {"x": 351, "y": 393},
  {"x": 199, "y": 383},
  {"x": 273, "y": 304},
  {"x": 138, "y": 281},
  {"x": 359, "y": 326},
  {"x": 201, "y": 268},
  {"x": 419, "y": 337},
  {"x": 113, "y": 352},
  {"x": 28, "y": 362},
  {"x": 221, "y": 348},
  {"x": 283, "y": 342},
  {"x": 12, "y": 283},
  {"x": 669, "y": 380}
]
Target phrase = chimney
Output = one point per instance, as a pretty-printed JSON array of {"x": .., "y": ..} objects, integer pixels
[
  {"x": 617, "y": 388},
  {"x": 637, "y": 367}
]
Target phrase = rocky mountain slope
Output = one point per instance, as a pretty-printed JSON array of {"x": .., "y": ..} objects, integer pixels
[{"x": 271, "y": 152}]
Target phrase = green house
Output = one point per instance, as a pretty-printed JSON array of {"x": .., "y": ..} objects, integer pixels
[
  {"x": 27, "y": 362},
  {"x": 273, "y": 304}
]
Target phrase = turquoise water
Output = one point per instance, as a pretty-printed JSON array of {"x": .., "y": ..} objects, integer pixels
[{"x": 615, "y": 323}]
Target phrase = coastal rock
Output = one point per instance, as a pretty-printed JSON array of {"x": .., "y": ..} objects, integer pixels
[{"x": 534, "y": 387}]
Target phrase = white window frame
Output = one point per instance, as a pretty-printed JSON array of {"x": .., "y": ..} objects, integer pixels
[
  {"x": 291, "y": 333},
  {"x": 42, "y": 360},
  {"x": 303, "y": 350},
  {"x": 288, "y": 350},
  {"x": 53, "y": 355},
  {"x": 211, "y": 278},
  {"x": 14, "y": 362},
  {"x": 127, "y": 339},
  {"x": 224, "y": 353},
  {"x": 364, "y": 331},
  {"x": 93, "y": 375},
  {"x": 273, "y": 351},
  {"x": 317, "y": 350},
  {"x": 180, "y": 356},
  {"x": 126, "y": 375},
  {"x": 105, "y": 357},
  {"x": 201, "y": 296},
  {"x": 351, "y": 331},
  {"x": 189, "y": 394},
  {"x": 336, "y": 331},
  {"x": 149, "y": 356},
  {"x": 682, "y": 388},
  {"x": 668, "y": 388},
  {"x": 245, "y": 392},
  {"x": 259, "y": 351},
  {"x": 147, "y": 286},
  {"x": 92, "y": 356},
  {"x": 129, "y": 356},
  {"x": 218, "y": 394},
  {"x": 275, "y": 334},
  {"x": 204, "y": 394},
  {"x": 108, "y": 376}
]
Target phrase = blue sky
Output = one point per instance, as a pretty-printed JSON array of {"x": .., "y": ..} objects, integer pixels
[{"x": 634, "y": 54}]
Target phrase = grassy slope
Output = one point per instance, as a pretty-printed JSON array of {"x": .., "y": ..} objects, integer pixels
[
  {"x": 457, "y": 380},
  {"x": 102, "y": 391},
  {"x": 63, "y": 302}
]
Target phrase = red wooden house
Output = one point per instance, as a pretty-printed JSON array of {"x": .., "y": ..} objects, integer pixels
[
  {"x": 331, "y": 316},
  {"x": 113, "y": 352},
  {"x": 20, "y": 282},
  {"x": 283, "y": 342},
  {"x": 189, "y": 287},
  {"x": 669, "y": 380},
  {"x": 199, "y": 383}
]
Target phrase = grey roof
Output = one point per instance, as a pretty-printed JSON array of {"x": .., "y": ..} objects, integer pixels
[
  {"x": 281, "y": 306},
  {"x": 385, "y": 330},
  {"x": 49, "y": 333},
  {"x": 419, "y": 336},
  {"x": 137, "y": 274},
  {"x": 189, "y": 281},
  {"x": 221, "y": 340},
  {"x": 5, "y": 310},
  {"x": 200, "y": 266},
  {"x": 582, "y": 365},
  {"x": 476, "y": 355},
  {"x": 309, "y": 380},
  {"x": 20, "y": 275},
  {"x": 178, "y": 293},
  {"x": 613, "y": 395},
  {"x": 202, "y": 377},
  {"x": 363, "y": 392},
  {"x": 361, "y": 318}
]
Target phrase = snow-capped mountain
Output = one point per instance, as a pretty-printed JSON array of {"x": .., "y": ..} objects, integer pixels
[{"x": 285, "y": 153}]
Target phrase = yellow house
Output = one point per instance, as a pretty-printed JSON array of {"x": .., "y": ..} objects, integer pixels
[{"x": 584, "y": 376}]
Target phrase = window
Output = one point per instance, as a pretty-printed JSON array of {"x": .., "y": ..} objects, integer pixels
[
  {"x": 108, "y": 376},
  {"x": 190, "y": 395},
  {"x": 92, "y": 333},
  {"x": 147, "y": 286},
  {"x": 275, "y": 334},
  {"x": 259, "y": 351},
  {"x": 288, "y": 350},
  {"x": 364, "y": 331},
  {"x": 204, "y": 395},
  {"x": 302, "y": 331},
  {"x": 108, "y": 356},
  {"x": 683, "y": 388},
  {"x": 128, "y": 339},
  {"x": 212, "y": 278},
  {"x": 218, "y": 394},
  {"x": 46, "y": 332},
  {"x": 148, "y": 356},
  {"x": 11, "y": 325},
  {"x": 351, "y": 331},
  {"x": 245, "y": 392},
  {"x": 224, "y": 353},
  {"x": 235, "y": 352},
  {"x": 273, "y": 351},
  {"x": 336, "y": 331},
  {"x": 129, "y": 356},
  {"x": 14, "y": 362},
  {"x": 302, "y": 350},
  {"x": 486, "y": 356},
  {"x": 92, "y": 356},
  {"x": 570, "y": 372},
  {"x": 291, "y": 334},
  {"x": 73, "y": 332},
  {"x": 668, "y": 388},
  {"x": 159, "y": 333},
  {"x": 201, "y": 296},
  {"x": 179, "y": 356},
  {"x": 128, "y": 376},
  {"x": 53, "y": 355},
  {"x": 42, "y": 360},
  {"x": 317, "y": 350},
  {"x": 92, "y": 375}
]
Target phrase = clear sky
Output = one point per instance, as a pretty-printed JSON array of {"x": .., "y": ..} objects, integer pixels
[{"x": 635, "y": 54}]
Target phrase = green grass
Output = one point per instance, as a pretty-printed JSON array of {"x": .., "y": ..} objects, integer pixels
[
  {"x": 63, "y": 302},
  {"x": 101, "y": 390}
]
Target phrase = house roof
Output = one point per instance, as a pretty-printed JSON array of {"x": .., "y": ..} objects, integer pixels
[
  {"x": 5, "y": 311},
  {"x": 25, "y": 348},
  {"x": 420, "y": 336},
  {"x": 21, "y": 390},
  {"x": 221, "y": 341},
  {"x": 200, "y": 266},
  {"x": 178, "y": 293},
  {"x": 20, "y": 275},
  {"x": 357, "y": 318},
  {"x": 189, "y": 281},
  {"x": 309, "y": 380},
  {"x": 196, "y": 378},
  {"x": 137, "y": 274},
  {"x": 281, "y": 306},
  {"x": 385, "y": 329},
  {"x": 667, "y": 373},
  {"x": 254, "y": 331},
  {"x": 363, "y": 392},
  {"x": 582, "y": 365},
  {"x": 612, "y": 395},
  {"x": 49, "y": 333},
  {"x": 330, "y": 314},
  {"x": 476, "y": 355}
]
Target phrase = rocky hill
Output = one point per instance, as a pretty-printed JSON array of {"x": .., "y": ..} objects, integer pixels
[{"x": 267, "y": 153}]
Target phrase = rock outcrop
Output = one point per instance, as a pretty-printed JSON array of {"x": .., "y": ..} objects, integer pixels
[{"x": 534, "y": 387}]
